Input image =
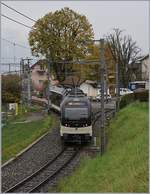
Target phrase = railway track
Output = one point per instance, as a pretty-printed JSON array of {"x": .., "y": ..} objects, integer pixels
[{"x": 47, "y": 172}]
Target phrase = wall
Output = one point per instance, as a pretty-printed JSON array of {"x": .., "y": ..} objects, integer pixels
[
  {"x": 89, "y": 89},
  {"x": 36, "y": 76},
  {"x": 145, "y": 69}
]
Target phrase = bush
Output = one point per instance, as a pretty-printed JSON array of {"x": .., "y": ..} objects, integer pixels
[
  {"x": 126, "y": 99},
  {"x": 40, "y": 95},
  {"x": 141, "y": 95},
  {"x": 11, "y": 88}
]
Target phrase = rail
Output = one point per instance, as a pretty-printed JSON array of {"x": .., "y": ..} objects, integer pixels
[{"x": 30, "y": 185}]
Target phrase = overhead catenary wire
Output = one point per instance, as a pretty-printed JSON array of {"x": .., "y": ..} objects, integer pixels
[
  {"x": 18, "y": 12},
  {"x": 11, "y": 72},
  {"x": 15, "y": 64},
  {"x": 81, "y": 62},
  {"x": 16, "y": 44},
  {"x": 3, "y": 58},
  {"x": 16, "y": 21}
]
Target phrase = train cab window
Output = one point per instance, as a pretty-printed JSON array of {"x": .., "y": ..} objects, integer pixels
[
  {"x": 76, "y": 113},
  {"x": 56, "y": 98}
]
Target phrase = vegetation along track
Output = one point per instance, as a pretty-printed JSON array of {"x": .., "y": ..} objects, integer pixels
[
  {"x": 47, "y": 172},
  {"x": 109, "y": 113}
]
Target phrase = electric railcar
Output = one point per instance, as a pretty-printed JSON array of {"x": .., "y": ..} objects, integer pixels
[
  {"x": 56, "y": 96},
  {"x": 76, "y": 121}
]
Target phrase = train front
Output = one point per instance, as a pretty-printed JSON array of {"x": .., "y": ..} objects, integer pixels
[{"x": 76, "y": 124}]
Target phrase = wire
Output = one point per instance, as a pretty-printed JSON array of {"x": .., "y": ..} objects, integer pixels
[
  {"x": 15, "y": 64},
  {"x": 15, "y": 43},
  {"x": 80, "y": 62},
  {"x": 9, "y": 72},
  {"x": 4, "y": 58},
  {"x": 16, "y": 21},
  {"x": 18, "y": 12}
]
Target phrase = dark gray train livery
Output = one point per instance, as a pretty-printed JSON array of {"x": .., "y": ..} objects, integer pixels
[{"x": 76, "y": 114}]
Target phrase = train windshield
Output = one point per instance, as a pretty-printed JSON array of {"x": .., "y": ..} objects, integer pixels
[{"x": 76, "y": 113}]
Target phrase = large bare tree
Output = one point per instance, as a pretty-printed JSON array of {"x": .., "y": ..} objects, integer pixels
[{"x": 123, "y": 50}]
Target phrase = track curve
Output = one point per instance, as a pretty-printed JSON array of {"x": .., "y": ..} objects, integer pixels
[{"x": 45, "y": 173}]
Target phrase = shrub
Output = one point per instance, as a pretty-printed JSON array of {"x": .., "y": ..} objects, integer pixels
[
  {"x": 11, "y": 88},
  {"x": 40, "y": 95},
  {"x": 126, "y": 99},
  {"x": 142, "y": 96}
]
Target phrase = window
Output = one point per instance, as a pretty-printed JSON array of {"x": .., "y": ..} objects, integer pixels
[
  {"x": 76, "y": 113},
  {"x": 56, "y": 98}
]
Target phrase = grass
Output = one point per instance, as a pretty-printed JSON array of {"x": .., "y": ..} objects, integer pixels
[
  {"x": 24, "y": 112},
  {"x": 16, "y": 137},
  {"x": 124, "y": 166}
]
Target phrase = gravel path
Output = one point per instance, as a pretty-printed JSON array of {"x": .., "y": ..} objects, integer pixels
[{"x": 31, "y": 160}]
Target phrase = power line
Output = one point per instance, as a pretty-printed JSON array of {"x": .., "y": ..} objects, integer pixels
[
  {"x": 18, "y": 12},
  {"x": 9, "y": 72},
  {"x": 3, "y": 58},
  {"x": 14, "y": 43},
  {"x": 79, "y": 62},
  {"x": 15, "y": 64},
  {"x": 16, "y": 21}
]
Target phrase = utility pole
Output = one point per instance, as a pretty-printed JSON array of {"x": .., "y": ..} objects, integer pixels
[
  {"x": 48, "y": 90},
  {"x": 26, "y": 80},
  {"x": 102, "y": 70},
  {"x": 14, "y": 52},
  {"x": 21, "y": 77},
  {"x": 9, "y": 68},
  {"x": 106, "y": 85},
  {"x": 117, "y": 87},
  {"x": 29, "y": 82}
]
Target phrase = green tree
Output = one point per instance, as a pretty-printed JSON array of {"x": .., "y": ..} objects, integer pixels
[
  {"x": 11, "y": 88},
  {"x": 61, "y": 35}
]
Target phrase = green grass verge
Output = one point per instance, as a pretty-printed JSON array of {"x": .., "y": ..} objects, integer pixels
[
  {"x": 124, "y": 166},
  {"x": 16, "y": 137}
]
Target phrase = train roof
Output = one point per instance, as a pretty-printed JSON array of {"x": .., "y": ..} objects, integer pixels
[
  {"x": 76, "y": 92},
  {"x": 58, "y": 90},
  {"x": 72, "y": 92}
]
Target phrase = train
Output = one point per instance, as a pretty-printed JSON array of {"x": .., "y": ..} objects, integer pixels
[
  {"x": 75, "y": 114},
  {"x": 57, "y": 94}
]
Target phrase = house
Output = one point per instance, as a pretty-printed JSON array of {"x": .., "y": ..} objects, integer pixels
[
  {"x": 139, "y": 70},
  {"x": 90, "y": 88},
  {"x": 39, "y": 76}
]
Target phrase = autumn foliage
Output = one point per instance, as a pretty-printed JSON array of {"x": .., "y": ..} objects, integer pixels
[
  {"x": 62, "y": 35},
  {"x": 11, "y": 88}
]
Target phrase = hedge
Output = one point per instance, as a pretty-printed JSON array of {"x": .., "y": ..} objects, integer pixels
[{"x": 142, "y": 96}]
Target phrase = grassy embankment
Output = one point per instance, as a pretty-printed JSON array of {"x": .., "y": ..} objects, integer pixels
[
  {"x": 124, "y": 166},
  {"x": 15, "y": 137}
]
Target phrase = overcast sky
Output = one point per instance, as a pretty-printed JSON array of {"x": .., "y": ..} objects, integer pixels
[{"x": 132, "y": 16}]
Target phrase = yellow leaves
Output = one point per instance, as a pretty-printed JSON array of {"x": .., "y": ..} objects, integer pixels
[{"x": 61, "y": 33}]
